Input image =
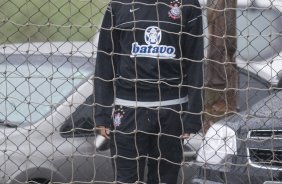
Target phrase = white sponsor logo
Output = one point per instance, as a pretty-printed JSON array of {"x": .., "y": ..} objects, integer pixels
[{"x": 153, "y": 37}]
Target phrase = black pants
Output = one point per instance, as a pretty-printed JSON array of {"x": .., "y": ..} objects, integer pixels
[{"x": 145, "y": 135}]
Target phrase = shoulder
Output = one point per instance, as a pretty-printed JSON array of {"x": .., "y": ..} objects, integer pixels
[
  {"x": 190, "y": 6},
  {"x": 191, "y": 3},
  {"x": 118, "y": 4}
]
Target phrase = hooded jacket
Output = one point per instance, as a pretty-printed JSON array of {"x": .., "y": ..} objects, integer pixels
[{"x": 150, "y": 51}]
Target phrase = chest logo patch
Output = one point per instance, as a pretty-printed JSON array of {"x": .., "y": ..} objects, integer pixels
[
  {"x": 153, "y": 35},
  {"x": 153, "y": 38},
  {"x": 175, "y": 11}
]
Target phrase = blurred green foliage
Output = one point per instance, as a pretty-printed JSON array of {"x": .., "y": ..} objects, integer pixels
[{"x": 49, "y": 20}]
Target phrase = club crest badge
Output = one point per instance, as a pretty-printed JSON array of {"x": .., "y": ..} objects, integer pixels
[
  {"x": 118, "y": 115},
  {"x": 175, "y": 11}
]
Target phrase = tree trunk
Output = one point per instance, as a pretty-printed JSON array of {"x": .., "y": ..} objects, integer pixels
[{"x": 221, "y": 79}]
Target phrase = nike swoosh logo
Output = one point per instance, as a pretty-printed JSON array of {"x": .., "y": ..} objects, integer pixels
[{"x": 133, "y": 10}]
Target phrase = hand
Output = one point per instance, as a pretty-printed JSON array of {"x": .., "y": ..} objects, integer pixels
[
  {"x": 185, "y": 136},
  {"x": 104, "y": 131}
]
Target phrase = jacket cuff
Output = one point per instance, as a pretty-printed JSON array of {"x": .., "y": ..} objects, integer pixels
[
  {"x": 192, "y": 123},
  {"x": 103, "y": 121}
]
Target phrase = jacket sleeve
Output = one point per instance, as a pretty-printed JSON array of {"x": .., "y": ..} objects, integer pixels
[
  {"x": 193, "y": 53},
  {"x": 104, "y": 71}
]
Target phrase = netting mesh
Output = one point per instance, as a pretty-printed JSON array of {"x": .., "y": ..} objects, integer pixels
[{"x": 48, "y": 131}]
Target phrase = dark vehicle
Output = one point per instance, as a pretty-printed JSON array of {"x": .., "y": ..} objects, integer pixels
[{"x": 246, "y": 147}]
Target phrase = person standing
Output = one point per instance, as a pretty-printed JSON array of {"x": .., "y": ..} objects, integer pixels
[{"x": 148, "y": 85}]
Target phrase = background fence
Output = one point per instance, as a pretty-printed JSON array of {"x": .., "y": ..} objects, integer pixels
[{"x": 47, "y": 60}]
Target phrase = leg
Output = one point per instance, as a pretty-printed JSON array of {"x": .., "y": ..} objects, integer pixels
[
  {"x": 167, "y": 147},
  {"x": 128, "y": 148},
  {"x": 171, "y": 154},
  {"x": 128, "y": 162},
  {"x": 164, "y": 160}
]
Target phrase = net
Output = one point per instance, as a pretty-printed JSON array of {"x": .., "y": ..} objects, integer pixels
[{"x": 48, "y": 129}]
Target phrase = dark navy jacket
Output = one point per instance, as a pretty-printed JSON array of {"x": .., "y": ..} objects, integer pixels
[{"x": 150, "y": 50}]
